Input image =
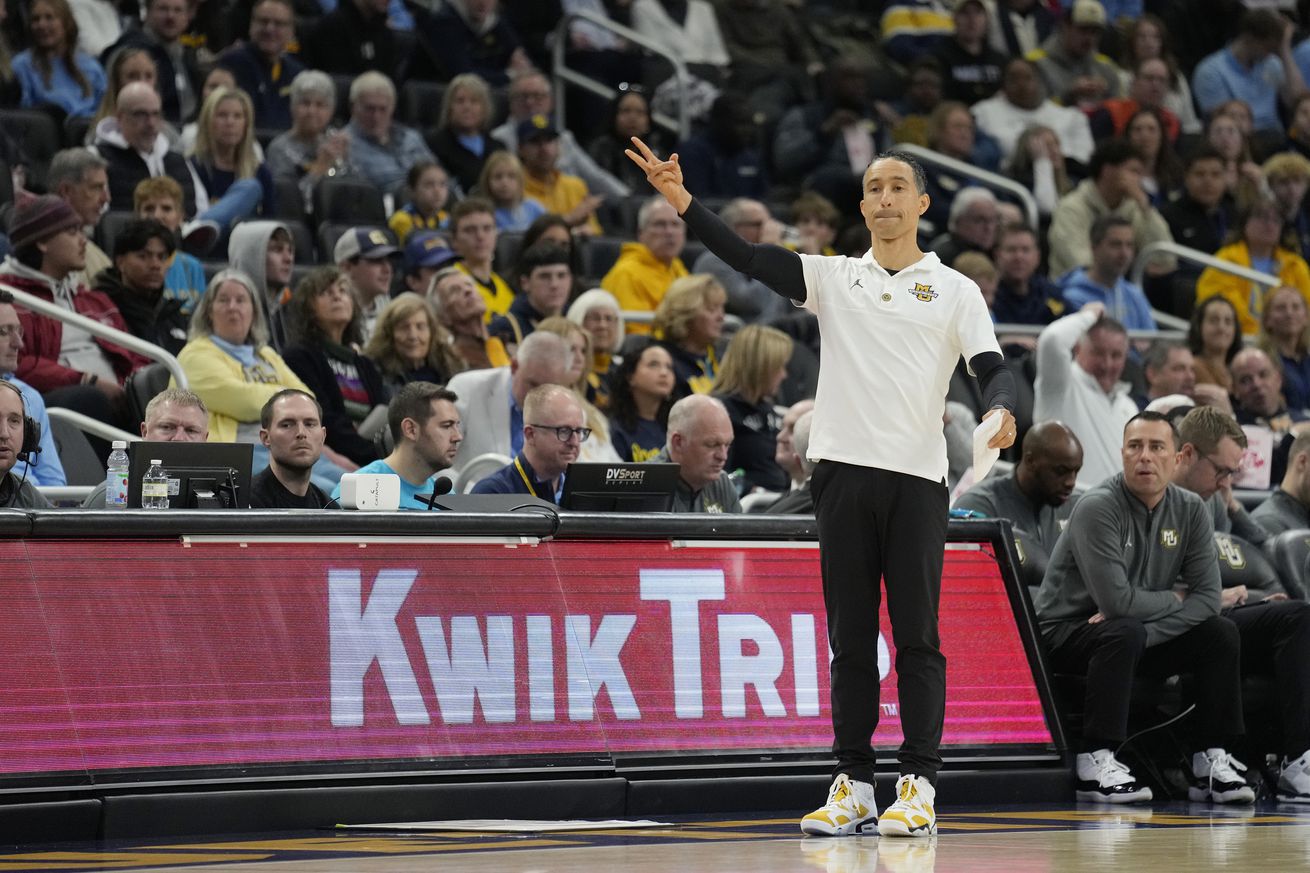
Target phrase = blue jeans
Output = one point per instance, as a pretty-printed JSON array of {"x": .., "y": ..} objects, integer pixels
[{"x": 239, "y": 202}]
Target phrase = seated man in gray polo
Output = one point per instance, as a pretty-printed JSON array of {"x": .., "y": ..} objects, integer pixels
[
  {"x": 1288, "y": 508},
  {"x": 700, "y": 434},
  {"x": 1038, "y": 495}
]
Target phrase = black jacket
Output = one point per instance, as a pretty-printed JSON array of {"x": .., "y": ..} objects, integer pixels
[
  {"x": 310, "y": 363},
  {"x": 344, "y": 43},
  {"x": 755, "y": 442},
  {"x": 459, "y": 162},
  {"x": 1192, "y": 226},
  {"x": 167, "y": 71},
  {"x": 127, "y": 168},
  {"x": 151, "y": 316}
]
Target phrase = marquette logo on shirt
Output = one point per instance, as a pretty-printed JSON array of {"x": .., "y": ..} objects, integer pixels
[
  {"x": 924, "y": 293},
  {"x": 1230, "y": 552},
  {"x": 1169, "y": 538}
]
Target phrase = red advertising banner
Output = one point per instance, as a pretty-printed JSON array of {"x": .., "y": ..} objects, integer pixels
[{"x": 134, "y": 655}]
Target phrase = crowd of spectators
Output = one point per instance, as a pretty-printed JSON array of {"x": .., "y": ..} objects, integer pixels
[
  {"x": 391, "y": 186},
  {"x": 374, "y": 245}
]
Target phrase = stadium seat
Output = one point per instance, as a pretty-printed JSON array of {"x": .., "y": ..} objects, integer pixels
[
  {"x": 38, "y": 135},
  {"x": 290, "y": 202},
  {"x": 507, "y": 250},
  {"x": 420, "y": 103},
  {"x": 355, "y": 201},
  {"x": 599, "y": 254},
  {"x": 109, "y": 226},
  {"x": 476, "y": 469},
  {"x": 1289, "y": 552},
  {"x": 303, "y": 239},
  {"x": 81, "y": 466},
  {"x": 6, "y": 184},
  {"x": 342, "y": 83},
  {"x": 141, "y": 386},
  {"x": 691, "y": 252},
  {"x": 75, "y": 129}
]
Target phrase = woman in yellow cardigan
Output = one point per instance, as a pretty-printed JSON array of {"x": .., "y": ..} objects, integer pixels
[
  {"x": 1259, "y": 246},
  {"x": 230, "y": 365}
]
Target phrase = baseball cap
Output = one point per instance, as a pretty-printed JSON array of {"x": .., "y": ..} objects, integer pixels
[
  {"x": 1087, "y": 13},
  {"x": 536, "y": 127},
  {"x": 369, "y": 243},
  {"x": 426, "y": 248}
]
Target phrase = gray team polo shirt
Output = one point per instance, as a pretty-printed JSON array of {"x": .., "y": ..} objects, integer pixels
[
  {"x": 1122, "y": 560},
  {"x": 1000, "y": 497}
]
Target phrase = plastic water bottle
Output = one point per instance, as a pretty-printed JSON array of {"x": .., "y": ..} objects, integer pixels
[
  {"x": 154, "y": 487},
  {"x": 116, "y": 477}
]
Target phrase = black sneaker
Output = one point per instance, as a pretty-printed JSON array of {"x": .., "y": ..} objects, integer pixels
[{"x": 1103, "y": 778}]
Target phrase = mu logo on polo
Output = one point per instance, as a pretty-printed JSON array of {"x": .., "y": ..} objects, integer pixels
[{"x": 923, "y": 293}]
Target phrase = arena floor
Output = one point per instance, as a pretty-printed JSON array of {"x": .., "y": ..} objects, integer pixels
[{"x": 1192, "y": 837}]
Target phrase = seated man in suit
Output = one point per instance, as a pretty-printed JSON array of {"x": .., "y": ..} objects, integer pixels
[
  {"x": 554, "y": 428},
  {"x": 491, "y": 404}
]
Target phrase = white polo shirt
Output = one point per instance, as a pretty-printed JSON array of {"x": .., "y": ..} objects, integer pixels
[{"x": 890, "y": 345}]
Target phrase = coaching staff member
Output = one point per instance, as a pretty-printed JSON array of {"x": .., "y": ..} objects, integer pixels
[{"x": 894, "y": 324}]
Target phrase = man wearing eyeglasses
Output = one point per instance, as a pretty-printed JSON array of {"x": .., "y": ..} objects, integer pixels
[
  {"x": 47, "y": 470},
  {"x": 1211, "y": 443},
  {"x": 554, "y": 428},
  {"x": 134, "y": 145},
  {"x": 1275, "y": 631}
]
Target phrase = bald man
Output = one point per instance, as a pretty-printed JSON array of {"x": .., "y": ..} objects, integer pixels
[
  {"x": 134, "y": 145},
  {"x": 1038, "y": 495},
  {"x": 699, "y": 436},
  {"x": 785, "y": 455}
]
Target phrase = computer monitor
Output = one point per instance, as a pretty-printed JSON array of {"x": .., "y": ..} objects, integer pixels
[
  {"x": 201, "y": 475},
  {"x": 620, "y": 487}
]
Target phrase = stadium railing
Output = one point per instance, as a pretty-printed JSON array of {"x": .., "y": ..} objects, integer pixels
[
  {"x": 985, "y": 177},
  {"x": 565, "y": 75}
]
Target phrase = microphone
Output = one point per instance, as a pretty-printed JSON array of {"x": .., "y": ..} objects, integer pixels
[{"x": 442, "y": 485}]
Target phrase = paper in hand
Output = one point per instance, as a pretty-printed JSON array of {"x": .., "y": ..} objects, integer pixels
[{"x": 983, "y": 457}]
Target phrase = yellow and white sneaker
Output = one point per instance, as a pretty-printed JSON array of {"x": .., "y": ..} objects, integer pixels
[
  {"x": 849, "y": 805},
  {"x": 912, "y": 814}
]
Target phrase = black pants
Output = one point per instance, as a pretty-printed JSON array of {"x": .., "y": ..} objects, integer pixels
[
  {"x": 1110, "y": 653},
  {"x": 1276, "y": 642},
  {"x": 875, "y": 524}
]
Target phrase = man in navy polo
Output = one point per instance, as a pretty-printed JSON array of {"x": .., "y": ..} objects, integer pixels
[{"x": 554, "y": 428}]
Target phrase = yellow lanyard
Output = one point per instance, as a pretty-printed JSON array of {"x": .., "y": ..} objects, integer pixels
[{"x": 526, "y": 481}]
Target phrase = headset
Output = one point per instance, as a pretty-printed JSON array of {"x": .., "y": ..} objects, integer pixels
[{"x": 31, "y": 444}]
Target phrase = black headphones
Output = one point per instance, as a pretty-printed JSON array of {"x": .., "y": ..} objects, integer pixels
[{"x": 31, "y": 443}]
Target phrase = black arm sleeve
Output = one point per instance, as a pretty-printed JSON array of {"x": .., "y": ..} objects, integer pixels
[
  {"x": 995, "y": 379},
  {"x": 775, "y": 266}
]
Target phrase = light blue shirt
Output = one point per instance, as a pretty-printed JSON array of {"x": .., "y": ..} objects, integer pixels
[
  {"x": 185, "y": 281},
  {"x": 408, "y": 491},
  {"x": 515, "y": 426},
  {"x": 1125, "y": 302},
  {"x": 1219, "y": 78},
  {"x": 387, "y": 165},
  {"x": 62, "y": 91},
  {"x": 48, "y": 469}
]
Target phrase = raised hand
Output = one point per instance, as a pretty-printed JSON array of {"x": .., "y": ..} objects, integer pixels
[{"x": 664, "y": 176}]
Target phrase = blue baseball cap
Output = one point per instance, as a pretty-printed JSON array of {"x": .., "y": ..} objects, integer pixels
[{"x": 427, "y": 248}]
